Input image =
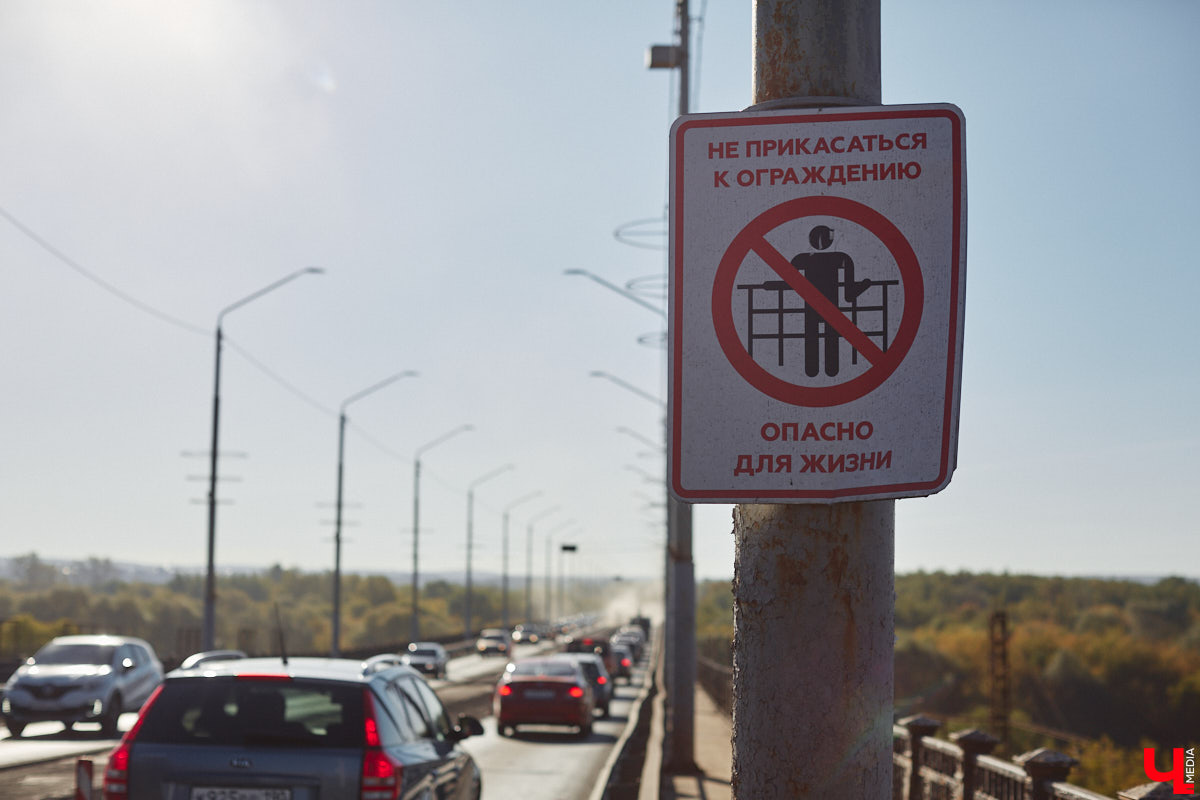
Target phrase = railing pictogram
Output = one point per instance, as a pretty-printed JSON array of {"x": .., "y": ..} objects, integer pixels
[{"x": 783, "y": 311}]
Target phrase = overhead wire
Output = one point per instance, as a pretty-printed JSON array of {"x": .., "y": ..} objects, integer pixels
[
  {"x": 60, "y": 256},
  {"x": 63, "y": 258}
]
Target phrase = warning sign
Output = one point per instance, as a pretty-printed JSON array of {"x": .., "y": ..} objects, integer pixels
[{"x": 817, "y": 284}]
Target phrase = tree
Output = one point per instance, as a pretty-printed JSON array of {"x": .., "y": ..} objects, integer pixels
[{"x": 32, "y": 574}]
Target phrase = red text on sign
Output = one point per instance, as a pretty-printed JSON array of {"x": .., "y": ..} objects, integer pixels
[
  {"x": 869, "y": 143},
  {"x": 827, "y": 432},
  {"x": 845, "y": 462}
]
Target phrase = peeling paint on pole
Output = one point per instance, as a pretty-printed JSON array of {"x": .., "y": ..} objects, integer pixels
[
  {"x": 814, "y": 585},
  {"x": 816, "y": 49},
  {"x": 814, "y": 620}
]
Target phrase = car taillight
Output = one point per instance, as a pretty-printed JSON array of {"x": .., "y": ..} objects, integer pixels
[
  {"x": 625, "y": 662},
  {"x": 504, "y": 691},
  {"x": 116, "y": 773},
  {"x": 381, "y": 776},
  {"x": 576, "y": 692},
  {"x": 602, "y": 680}
]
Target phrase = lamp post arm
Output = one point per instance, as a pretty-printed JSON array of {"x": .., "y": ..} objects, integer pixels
[
  {"x": 408, "y": 373},
  {"x": 643, "y": 439},
  {"x": 599, "y": 373},
  {"x": 628, "y": 295},
  {"x": 270, "y": 288},
  {"x": 444, "y": 437}
]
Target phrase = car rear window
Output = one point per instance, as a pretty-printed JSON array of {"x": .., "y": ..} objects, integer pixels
[
  {"x": 560, "y": 669},
  {"x": 253, "y": 712}
]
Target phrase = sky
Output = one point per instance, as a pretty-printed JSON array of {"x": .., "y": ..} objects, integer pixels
[{"x": 444, "y": 164}]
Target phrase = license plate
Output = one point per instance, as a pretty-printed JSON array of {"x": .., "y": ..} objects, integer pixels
[
  {"x": 234, "y": 793},
  {"x": 540, "y": 694}
]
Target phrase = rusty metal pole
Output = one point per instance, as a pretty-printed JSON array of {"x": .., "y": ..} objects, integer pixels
[
  {"x": 814, "y": 584},
  {"x": 680, "y": 745}
]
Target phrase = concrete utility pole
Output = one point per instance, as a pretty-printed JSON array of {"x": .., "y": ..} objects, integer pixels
[
  {"x": 679, "y": 640},
  {"x": 814, "y": 584}
]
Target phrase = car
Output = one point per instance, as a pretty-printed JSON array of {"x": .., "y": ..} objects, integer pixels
[
  {"x": 599, "y": 646},
  {"x": 81, "y": 679},
  {"x": 602, "y": 684},
  {"x": 429, "y": 658},
  {"x": 529, "y": 632},
  {"x": 493, "y": 641},
  {"x": 633, "y": 638},
  {"x": 380, "y": 662},
  {"x": 196, "y": 660},
  {"x": 295, "y": 728},
  {"x": 543, "y": 691},
  {"x": 623, "y": 657}
]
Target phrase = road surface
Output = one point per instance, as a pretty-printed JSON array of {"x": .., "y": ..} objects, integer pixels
[{"x": 539, "y": 763}]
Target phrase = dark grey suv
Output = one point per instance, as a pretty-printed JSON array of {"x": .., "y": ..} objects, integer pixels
[
  {"x": 81, "y": 679},
  {"x": 263, "y": 729}
]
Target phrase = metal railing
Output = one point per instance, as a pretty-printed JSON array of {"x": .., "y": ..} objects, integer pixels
[{"x": 925, "y": 768}]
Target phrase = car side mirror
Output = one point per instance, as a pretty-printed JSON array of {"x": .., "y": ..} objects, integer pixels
[{"x": 467, "y": 726}]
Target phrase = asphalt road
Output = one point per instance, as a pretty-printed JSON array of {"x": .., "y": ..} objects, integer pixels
[
  {"x": 547, "y": 763},
  {"x": 537, "y": 764}
]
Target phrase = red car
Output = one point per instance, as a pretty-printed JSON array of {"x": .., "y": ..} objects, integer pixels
[{"x": 543, "y": 691}]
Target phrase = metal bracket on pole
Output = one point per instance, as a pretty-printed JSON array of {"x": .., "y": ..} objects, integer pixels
[{"x": 780, "y": 103}]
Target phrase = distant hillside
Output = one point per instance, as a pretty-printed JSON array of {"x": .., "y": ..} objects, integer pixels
[{"x": 93, "y": 571}]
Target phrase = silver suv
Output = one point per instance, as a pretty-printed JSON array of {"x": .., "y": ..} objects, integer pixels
[
  {"x": 269, "y": 729},
  {"x": 81, "y": 679}
]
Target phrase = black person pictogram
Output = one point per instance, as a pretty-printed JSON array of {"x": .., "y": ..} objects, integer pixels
[
  {"x": 826, "y": 270},
  {"x": 868, "y": 324}
]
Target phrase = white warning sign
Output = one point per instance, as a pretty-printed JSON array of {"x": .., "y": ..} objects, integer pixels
[{"x": 817, "y": 284}]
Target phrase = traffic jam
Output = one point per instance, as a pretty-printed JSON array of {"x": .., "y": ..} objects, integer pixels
[{"x": 536, "y": 710}]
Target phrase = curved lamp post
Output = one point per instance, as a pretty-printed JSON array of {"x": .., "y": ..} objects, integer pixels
[
  {"x": 335, "y": 647},
  {"x": 628, "y": 295},
  {"x": 549, "y": 576},
  {"x": 207, "y": 636},
  {"x": 529, "y": 559},
  {"x": 471, "y": 537},
  {"x": 415, "y": 628},
  {"x": 504, "y": 570}
]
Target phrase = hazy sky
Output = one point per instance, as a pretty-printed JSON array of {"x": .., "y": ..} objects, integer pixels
[{"x": 445, "y": 163}]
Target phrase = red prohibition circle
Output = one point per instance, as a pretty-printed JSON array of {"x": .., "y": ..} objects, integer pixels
[{"x": 753, "y": 238}]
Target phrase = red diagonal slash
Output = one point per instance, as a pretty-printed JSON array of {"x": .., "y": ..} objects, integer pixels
[{"x": 818, "y": 302}]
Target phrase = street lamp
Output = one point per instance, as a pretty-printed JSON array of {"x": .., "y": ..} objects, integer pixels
[
  {"x": 504, "y": 570},
  {"x": 210, "y": 579},
  {"x": 679, "y": 652},
  {"x": 646, "y": 476},
  {"x": 599, "y": 373},
  {"x": 471, "y": 535},
  {"x": 415, "y": 629},
  {"x": 529, "y": 560},
  {"x": 628, "y": 295},
  {"x": 646, "y": 440},
  {"x": 548, "y": 578},
  {"x": 562, "y": 575},
  {"x": 337, "y": 523}
]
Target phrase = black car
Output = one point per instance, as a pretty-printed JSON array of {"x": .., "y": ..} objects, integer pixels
[{"x": 307, "y": 727}]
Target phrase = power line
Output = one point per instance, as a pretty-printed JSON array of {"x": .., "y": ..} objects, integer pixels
[
  {"x": 96, "y": 279},
  {"x": 158, "y": 314}
]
